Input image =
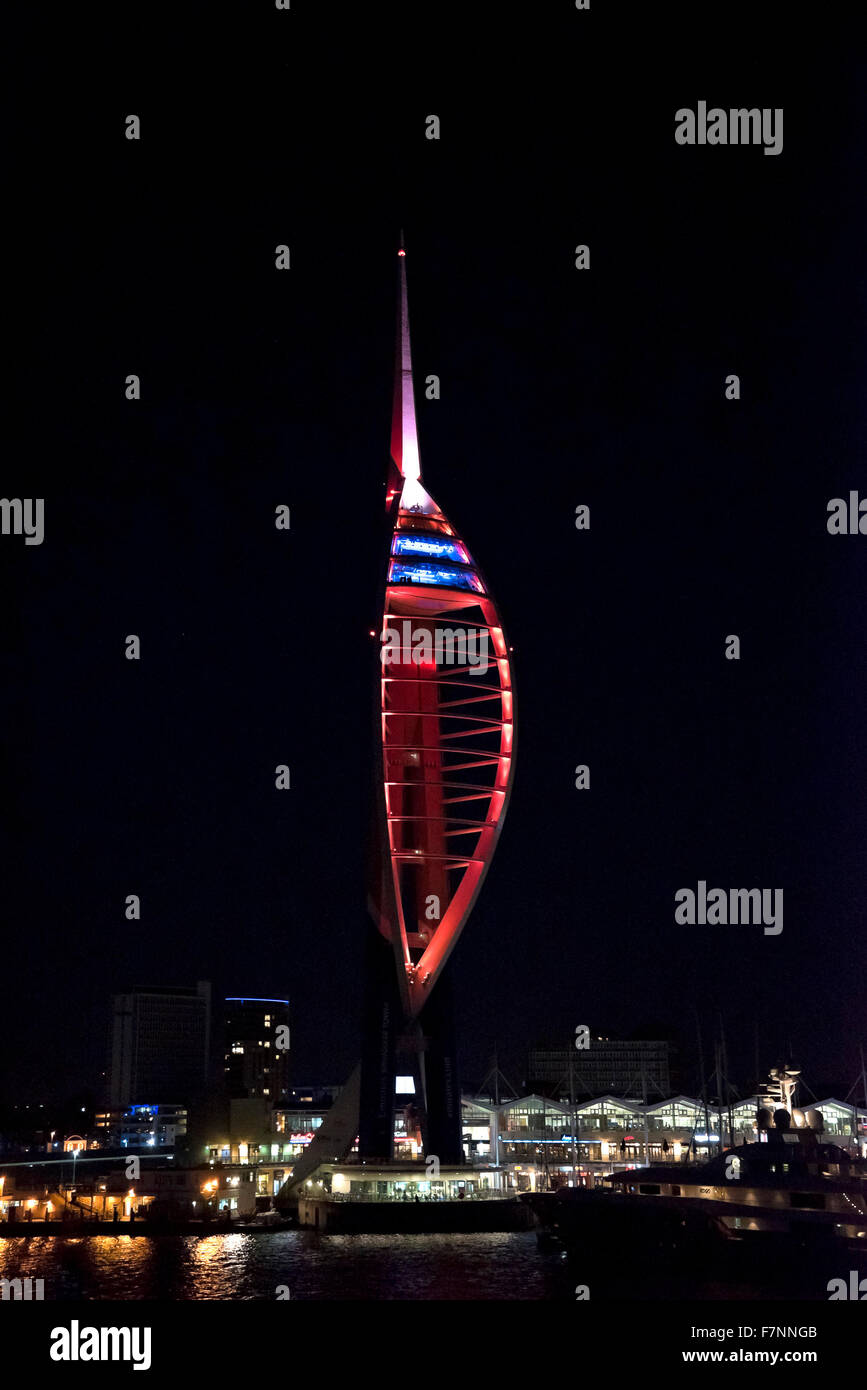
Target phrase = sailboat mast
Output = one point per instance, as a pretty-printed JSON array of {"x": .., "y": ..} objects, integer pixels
[
  {"x": 572, "y": 1113},
  {"x": 703, "y": 1082},
  {"x": 644, "y": 1108}
]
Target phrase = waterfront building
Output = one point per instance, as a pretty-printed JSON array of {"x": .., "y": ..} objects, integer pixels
[
  {"x": 189, "y": 1192},
  {"x": 407, "y": 1181},
  {"x": 523, "y": 1144},
  {"x": 27, "y": 1198},
  {"x": 258, "y": 1133},
  {"x": 543, "y": 1142}
]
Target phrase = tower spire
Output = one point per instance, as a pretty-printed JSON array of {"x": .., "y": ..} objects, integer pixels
[{"x": 404, "y": 433}]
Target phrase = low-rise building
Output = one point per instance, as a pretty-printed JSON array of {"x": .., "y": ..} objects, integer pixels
[
  {"x": 539, "y": 1141},
  {"x": 153, "y": 1126}
]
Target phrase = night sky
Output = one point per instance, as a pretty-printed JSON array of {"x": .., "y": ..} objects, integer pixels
[{"x": 559, "y": 387}]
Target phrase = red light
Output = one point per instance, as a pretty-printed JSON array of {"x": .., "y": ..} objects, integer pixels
[{"x": 401, "y": 253}]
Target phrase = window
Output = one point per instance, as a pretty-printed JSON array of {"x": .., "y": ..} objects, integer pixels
[
  {"x": 442, "y": 576},
  {"x": 430, "y": 548},
  {"x": 808, "y": 1201}
]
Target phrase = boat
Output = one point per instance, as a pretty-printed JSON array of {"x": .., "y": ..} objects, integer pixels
[
  {"x": 270, "y": 1220},
  {"x": 789, "y": 1192},
  {"x": 784, "y": 1216},
  {"x": 789, "y": 1184}
]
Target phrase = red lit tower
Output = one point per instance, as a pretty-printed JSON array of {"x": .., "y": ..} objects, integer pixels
[{"x": 446, "y": 729}]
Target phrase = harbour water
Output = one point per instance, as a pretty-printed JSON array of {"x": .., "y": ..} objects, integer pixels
[
  {"x": 236, "y": 1266},
  {"x": 307, "y": 1266}
]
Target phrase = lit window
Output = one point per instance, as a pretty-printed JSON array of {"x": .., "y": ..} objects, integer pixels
[
  {"x": 434, "y": 575},
  {"x": 430, "y": 547}
]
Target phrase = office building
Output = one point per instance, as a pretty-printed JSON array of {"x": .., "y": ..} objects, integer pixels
[
  {"x": 612, "y": 1066},
  {"x": 160, "y": 1044}
]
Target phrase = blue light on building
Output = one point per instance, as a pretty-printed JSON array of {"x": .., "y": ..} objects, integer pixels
[
  {"x": 436, "y": 576},
  {"x": 432, "y": 548}
]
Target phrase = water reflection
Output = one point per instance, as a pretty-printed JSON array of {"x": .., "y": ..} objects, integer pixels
[{"x": 244, "y": 1267}]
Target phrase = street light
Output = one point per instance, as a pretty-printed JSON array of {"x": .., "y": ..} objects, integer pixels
[{"x": 79, "y": 1141}]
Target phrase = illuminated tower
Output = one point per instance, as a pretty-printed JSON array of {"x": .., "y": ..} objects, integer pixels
[{"x": 446, "y": 730}]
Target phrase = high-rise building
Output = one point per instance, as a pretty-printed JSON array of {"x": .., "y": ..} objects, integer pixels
[
  {"x": 606, "y": 1066},
  {"x": 160, "y": 1044},
  {"x": 256, "y": 1049}
]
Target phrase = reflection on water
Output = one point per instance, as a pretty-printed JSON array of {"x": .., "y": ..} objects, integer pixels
[
  {"x": 233, "y": 1267},
  {"x": 236, "y": 1266}
]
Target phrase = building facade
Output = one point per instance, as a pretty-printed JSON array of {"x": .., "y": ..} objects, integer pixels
[
  {"x": 142, "y": 1126},
  {"x": 538, "y": 1141},
  {"x": 615, "y": 1066},
  {"x": 160, "y": 1045},
  {"x": 256, "y": 1049}
]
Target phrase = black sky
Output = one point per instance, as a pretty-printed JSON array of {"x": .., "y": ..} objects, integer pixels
[{"x": 559, "y": 387}]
